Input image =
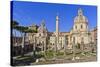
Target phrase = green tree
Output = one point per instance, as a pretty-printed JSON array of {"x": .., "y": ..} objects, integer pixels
[
  {"x": 14, "y": 25},
  {"x": 26, "y": 30},
  {"x": 23, "y": 30}
]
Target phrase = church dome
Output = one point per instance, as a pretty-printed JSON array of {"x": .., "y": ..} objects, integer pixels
[
  {"x": 42, "y": 28},
  {"x": 80, "y": 17}
]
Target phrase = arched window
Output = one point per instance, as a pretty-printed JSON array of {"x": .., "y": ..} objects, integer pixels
[
  {"x": 75, "y": 27},
  {"x": 73, "y": 39},
  {"x": 86, "y": 26},
  {"x": 81, "y": 26},
  {"x": 39, "y": 34},
  {"x": 82, "y": 40}
]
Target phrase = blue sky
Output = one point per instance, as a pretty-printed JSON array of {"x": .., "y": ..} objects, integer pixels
[{"x": 28, "y": 13}]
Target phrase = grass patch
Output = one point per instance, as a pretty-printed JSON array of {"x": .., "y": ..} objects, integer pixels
[
  {"x": 50, "y": 54},
  {"x": 22, "y": 58},
  {"x": 60, "y": 53}
]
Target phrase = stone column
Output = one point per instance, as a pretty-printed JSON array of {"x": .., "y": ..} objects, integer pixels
[
  {"x": 44, "y": 44},
  {"x": 23, "y": 43},
  {"x": 73, "y": 48},
  {"x": 55, "y": 49},
  {"x": 34, "y": 46},
  {"x": 45, "y": 47},
  {"x": 82, "y": 43},
  {"x": 57, "y": 31},
  {"x": 55, "y": 44},
  {"x": 65, "y": 46}
]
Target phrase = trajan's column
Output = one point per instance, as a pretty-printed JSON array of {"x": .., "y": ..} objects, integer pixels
[{"x": 57, "y": 32}]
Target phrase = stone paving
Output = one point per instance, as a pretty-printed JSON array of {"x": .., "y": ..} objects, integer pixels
[{"x": 29, "y": 60}]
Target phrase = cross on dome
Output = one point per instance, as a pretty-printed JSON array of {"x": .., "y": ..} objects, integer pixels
[{"x": 80, "y": 12}]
